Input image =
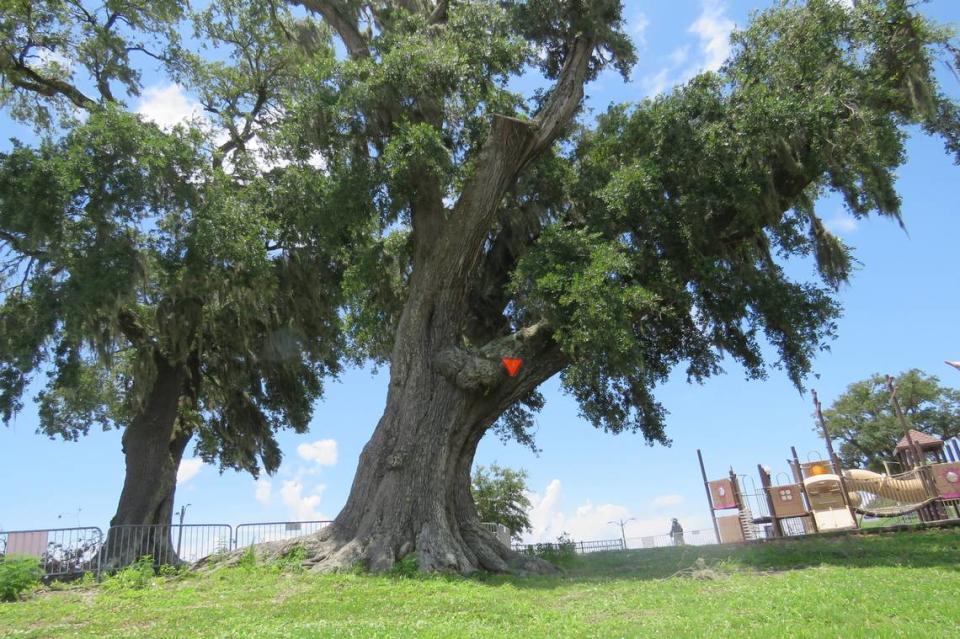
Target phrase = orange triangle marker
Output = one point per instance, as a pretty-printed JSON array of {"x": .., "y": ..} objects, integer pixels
[{"x": 512, "y": 364}]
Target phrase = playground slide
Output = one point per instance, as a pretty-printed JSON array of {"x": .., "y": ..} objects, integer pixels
[
  {"x": 868, "y": 492},
  {"x": 905, "y": 491}
]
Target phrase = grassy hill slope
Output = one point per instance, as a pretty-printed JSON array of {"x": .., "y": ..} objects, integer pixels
[{"x": 891, "y": 585}]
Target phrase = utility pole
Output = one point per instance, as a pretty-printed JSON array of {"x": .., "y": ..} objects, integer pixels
[
  {"x": 183, "y": 512},
  {"x": 622, "y": 523}
]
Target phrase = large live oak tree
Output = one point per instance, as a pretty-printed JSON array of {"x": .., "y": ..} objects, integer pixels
[
  {"x": 160, "y": 293},
  {"x": 610, "y": 254}
]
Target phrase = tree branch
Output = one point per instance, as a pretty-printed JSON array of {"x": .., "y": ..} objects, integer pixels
[
  {"x": 439, "y": 13},
  {"x": 23, "y": 77},
  {"x": 482, "y": 370},
  {"x": 239, "y": 138},
  {"x": 131, "y": 328},
  {"x": 345, "y": 26},
  {"x": 510, "y": 146}
]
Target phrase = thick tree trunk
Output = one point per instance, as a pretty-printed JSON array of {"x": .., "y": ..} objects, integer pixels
[
  {"x": 152, "y": 447},
  {"x": 411, "y": 493}
]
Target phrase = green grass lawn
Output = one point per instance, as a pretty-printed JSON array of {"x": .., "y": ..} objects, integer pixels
[{"x": 892, "y": 585}]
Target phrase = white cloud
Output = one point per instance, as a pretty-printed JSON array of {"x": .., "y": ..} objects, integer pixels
[
  {"x": 302, "y": 507},
  {"x": 679, "y": 56},
  {"x": 263, "y": 492},
  {"x": 667, "y": 500},
  {"x": 841, "y": 223},
  {"x": 592, "y": 521},
  {"x": 658, "y": 82},
  {"x": 666, "y": 77},
  {"x": 47, "y": 56},
  {"x": 545, "y": 518},
  {"x": 640, "y": 24},
  {"x": 713, "y": 27},
  {"x": 589, "y": 521},
  {"x": 323, "y": 452},
  {"x": 168, "y": 106},
  {"x": 188, "y": 469}
]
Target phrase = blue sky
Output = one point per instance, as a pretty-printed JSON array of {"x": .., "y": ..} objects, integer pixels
[{"x": 900, "y": 312}]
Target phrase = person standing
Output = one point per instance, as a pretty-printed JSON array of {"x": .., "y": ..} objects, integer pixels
[{"x": 676, "y": 533}]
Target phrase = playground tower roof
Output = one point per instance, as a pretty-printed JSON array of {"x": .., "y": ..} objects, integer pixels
[{"x": 923, "y": 440}]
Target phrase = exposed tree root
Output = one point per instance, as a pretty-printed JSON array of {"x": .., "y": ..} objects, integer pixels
[{"x": 437, "y": 551}]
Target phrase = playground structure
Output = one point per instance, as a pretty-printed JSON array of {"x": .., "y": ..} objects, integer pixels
[{"x": 819, "y": 495}]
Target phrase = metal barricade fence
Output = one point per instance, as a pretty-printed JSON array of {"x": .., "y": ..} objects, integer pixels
[
  {"x": 258, "y": 533},
  {"x": 578, "y": 547},
  {"x": 63, "y": 552},
  {"x": 584, "y": 547},
  {"x": 689, "y": 538},
  {"x": 501, "y": 531},
  {"x": 165, "y": 544}
]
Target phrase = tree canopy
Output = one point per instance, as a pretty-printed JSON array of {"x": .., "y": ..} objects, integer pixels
[
  {"x": 862, "y": 420},
  {"x": 130, "y": 251},
  {"x": 501, "y": 497}
]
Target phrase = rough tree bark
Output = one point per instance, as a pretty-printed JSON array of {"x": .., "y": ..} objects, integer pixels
[{"x": 153, "y": 447}]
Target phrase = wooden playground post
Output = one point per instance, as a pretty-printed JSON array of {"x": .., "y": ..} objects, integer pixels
[
  {"x": 914, "y": 447},
  {"x": 833, "y": 458},
  {"x": 706, "y": 486},
  {"x": 930, "y": 512},
  {"x": 765, "y": 484},
  {"x": 798, "y": 477},
  {"x": 736, "y": 489}
]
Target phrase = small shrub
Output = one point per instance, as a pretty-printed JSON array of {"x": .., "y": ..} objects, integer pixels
[
  {"x": 57, "y": 584},
  {"x": 248, "y": 559},
  {"x": 292, "y": 560},
  {"x": 406, "y": 567},
  {"x": 220, "y": 552},
  {"x": 18, "y": 573},
  {"x": 170, "y": 572},
  {"x": 136, "y": 576},
  {"x": 562, "y": 553}
]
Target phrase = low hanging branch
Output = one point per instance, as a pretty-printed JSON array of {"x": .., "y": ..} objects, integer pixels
[{"x": 481, "y": 370}]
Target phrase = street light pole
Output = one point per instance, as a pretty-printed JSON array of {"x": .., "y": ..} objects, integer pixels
[
  {"x": 622, "y": 523},
  {"x": 183, "y": 512}
]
